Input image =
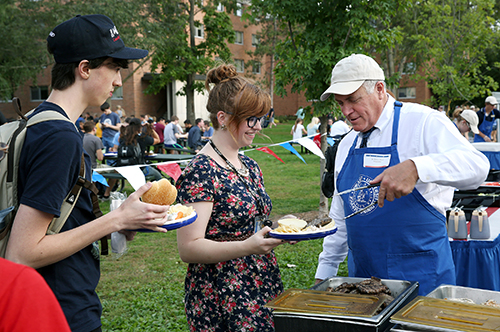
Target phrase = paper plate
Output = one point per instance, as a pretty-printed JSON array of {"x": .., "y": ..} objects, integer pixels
[
  {"x": 303, "y": 236},
  {"x": 174, "y": 224}
]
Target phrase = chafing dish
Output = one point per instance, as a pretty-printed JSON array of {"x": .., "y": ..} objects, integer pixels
[
  {"x": 450, "y": 308},
  {"x": 289, "y": 321}
]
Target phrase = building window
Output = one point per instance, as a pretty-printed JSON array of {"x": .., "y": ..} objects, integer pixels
[
  {"x": 255, "y": 40},
  {"x": 256, "y": 68},
  {"x": 118, "y": 93},
  {"x": 239, "y": 10},
  {"x": 238, "y": 37},
  {"x": 220, "y": 7},
  {"x": 407, "y": 93},
  {"x": 39, "y": 93},
  {"x": 240, "y": 65},
  {"x": 199, "y": 31}
]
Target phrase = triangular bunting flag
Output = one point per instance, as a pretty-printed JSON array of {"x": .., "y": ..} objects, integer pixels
[
  {"x": 290, "y": 148},
  {"x": 133, "y": 174},
  {"x": 311, "y": 146},
  {"x": 173, "y": 170},
  {"x": 267, "y": 150},
  {"x": 96, "y": 177}
]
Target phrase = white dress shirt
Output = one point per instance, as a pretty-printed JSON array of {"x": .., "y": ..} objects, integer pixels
[{"x": 444, "y": 159}]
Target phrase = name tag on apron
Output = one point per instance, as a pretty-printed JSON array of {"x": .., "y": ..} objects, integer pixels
[{"x": 372, "y": 160}]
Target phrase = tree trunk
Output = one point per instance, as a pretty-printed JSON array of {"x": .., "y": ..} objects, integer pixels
[
  {"x": 190, "y": 78},
  {"x": 323, "y": 200},
  {"x": 190, "y": 98}
]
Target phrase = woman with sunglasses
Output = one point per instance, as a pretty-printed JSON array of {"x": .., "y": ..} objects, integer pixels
[{"x": 232, "y": 269}]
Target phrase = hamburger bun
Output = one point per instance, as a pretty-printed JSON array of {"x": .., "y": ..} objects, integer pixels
[{"x": 162, "y": 192}]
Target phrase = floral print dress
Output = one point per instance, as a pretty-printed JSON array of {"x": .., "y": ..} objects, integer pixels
[{"x": 229, "y": 296}]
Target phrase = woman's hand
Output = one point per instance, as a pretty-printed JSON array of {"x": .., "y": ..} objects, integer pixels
[{"x": 260, "y": 244}]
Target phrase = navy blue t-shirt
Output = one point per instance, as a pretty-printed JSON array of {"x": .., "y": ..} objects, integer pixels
[{"x": 49, "y": 167}]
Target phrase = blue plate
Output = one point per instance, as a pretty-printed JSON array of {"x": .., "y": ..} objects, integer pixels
[
  {"x": 174, "y": 224},
  {"x": 303, "y": 236}
]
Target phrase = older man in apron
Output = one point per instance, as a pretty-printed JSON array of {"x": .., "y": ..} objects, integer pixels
[{"x": 418, "y": 158}]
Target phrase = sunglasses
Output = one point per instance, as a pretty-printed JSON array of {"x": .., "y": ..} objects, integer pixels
[
  {"x": 252, "y": 121},
  {"x": 3, "y": 150}
]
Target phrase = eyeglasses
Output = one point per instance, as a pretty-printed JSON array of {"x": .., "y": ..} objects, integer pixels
[
  {"x": 3, "y": 150},
  {"x": 252, "y": 121}
]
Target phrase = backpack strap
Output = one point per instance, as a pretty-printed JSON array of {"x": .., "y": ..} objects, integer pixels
[{"x": 70, "y": 200}]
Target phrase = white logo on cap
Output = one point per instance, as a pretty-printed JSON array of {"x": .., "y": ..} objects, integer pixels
[
  {"x": 113, "y": 32},
  {"x": 52, "y": 34}
]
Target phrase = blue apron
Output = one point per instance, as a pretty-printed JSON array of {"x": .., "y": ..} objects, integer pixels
[
  {"x": 486, "y": 126},
  {"x": 404, "y": 240}
]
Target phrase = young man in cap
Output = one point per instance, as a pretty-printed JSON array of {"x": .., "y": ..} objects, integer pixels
[
  {"x": 418, "y": 158},
  {"x": 487, "y": 118},
  {"x": 89, "y": 55}
]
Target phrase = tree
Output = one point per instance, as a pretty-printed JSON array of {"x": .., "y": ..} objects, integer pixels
[
  {"x": 23, "y": 52},
  {"x": 319, "y": 34},
  {"x": 450, "y": 41},
  {"x": 169, "y": 32}
]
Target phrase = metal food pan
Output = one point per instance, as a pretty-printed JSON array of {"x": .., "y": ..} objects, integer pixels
[
  {"x": 477, "y": 295},
  {"x": 402, "y": 291}
]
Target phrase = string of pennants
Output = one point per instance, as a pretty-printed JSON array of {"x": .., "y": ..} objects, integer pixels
[{"x": 136, "y": 177}]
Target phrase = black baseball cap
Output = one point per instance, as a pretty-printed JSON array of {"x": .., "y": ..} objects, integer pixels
[{"x": 89, "y": 37}]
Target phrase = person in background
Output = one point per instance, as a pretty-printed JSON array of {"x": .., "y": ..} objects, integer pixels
[
  {"x": 120, "y": 111},
  {"x": 145, "y": 136},
  {"x": 144, "y": 118},
  {"x": 441, "y": 109},
  {"x": 313, "y": 126},
  {"x": 300, "y": 113},
  {"x": 171, "y": 134},
  {"x": 339, "y": 127},
  {"x": 110, "y": 125},
  {"x": 487, "y": 119},
  {"x": 269, "y": 121},
  {"x": 232, "y": 270},
  {"x": 92, "y": 144},
  {"x": 159, "y": 127},
  {"x": 208, "y": 130},
  {"x": 467, "y": 121},
  {"x": 298, "y": 129},
  {"x": 418, "y": 158},
  {"x": 86, "y": 71},
  {"x": 194, "y": 140},
  {"x": 187, "y": 125}
]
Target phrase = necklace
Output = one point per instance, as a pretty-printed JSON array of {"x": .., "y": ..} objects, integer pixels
[
  {"x": 241, "y": 171},
  {"x": 242, "y": 174}
]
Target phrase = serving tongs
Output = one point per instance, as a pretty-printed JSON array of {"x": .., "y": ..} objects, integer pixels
[
  {"x": 320, "y": 222},
  {"x": 356, "y": 189}
]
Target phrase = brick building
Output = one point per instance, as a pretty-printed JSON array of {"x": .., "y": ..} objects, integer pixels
[{"x": 166, "y": 103}]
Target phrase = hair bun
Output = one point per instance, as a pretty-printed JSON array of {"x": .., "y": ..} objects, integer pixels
[{"x": 221, "y": 73}]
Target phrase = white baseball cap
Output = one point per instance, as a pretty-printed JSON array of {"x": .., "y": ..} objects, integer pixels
[
  {"x": 350, "y": 73},
  {"x": 491, "y": 100},
  {"x": 472, "y": 119}
]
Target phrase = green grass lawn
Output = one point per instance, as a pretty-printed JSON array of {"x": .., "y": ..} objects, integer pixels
[{"x": 144, "y": 289}]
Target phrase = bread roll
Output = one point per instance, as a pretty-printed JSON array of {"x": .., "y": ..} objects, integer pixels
[{"x": 162, "y": 193}]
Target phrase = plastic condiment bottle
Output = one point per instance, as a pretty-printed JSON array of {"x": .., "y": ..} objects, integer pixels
[
  {"x": 479, "y": 225},
  {"x": 457, "y": 225}
]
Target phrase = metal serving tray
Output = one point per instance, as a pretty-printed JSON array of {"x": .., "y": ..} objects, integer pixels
[
  {"x": 402, "y": 291},
  {"x": 477, "y": 295},
  {"x": 432, "y": 314}
]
